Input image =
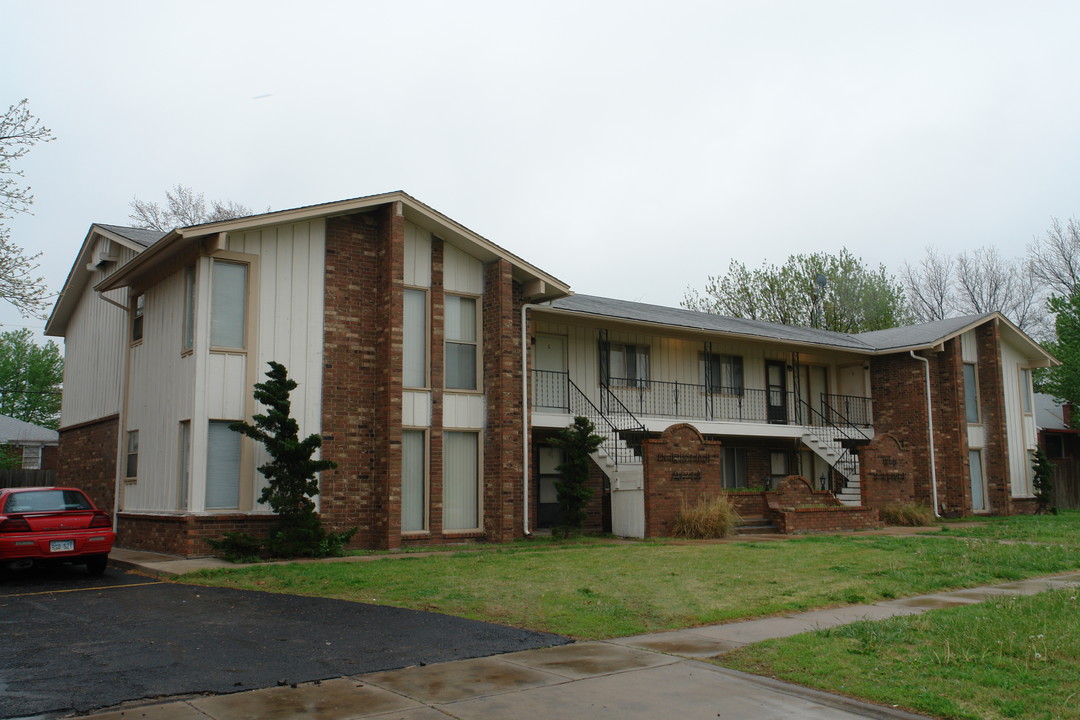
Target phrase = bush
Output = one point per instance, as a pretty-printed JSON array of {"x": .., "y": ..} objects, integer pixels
[
  {"x": 907, "y": 515},
  {"x": 238, "y": 547},
  {"x": 712, "y": 516}
]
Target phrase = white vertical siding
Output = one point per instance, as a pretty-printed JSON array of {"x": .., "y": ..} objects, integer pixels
[
  {"x": 462, "y": 273},
  {"x": 1019, "y": 428},
  {"x": 463, "y": 411},
  {"x": 159, "y": 397},
  {"x": 969, "y": 347},
  {"x": 417, "y": 256},
  {"x": 94, "y": 347}
]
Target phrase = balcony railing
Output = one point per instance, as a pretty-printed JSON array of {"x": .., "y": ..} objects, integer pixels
[{"x": 653, "y": 398}]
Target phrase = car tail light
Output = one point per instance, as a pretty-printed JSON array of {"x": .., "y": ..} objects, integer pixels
[
  {"x": 14, "y": 525},
  {"x": 101, "y": 521}
]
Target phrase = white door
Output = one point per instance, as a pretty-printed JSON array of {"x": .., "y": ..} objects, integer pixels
[{"x": 550, "y": 378}]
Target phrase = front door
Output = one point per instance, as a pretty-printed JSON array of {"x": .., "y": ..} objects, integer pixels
[
  {"x": 549, "y": 388},
  {"x": 776, "y": 392}
]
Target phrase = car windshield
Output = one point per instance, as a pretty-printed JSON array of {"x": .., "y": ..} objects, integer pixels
[{"x": 46, "y": 501}]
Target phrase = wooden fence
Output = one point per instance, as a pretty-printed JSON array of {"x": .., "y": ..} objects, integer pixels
[
  {"x": 1067, "y": 484},
  {"x": 27, "y": 478}
]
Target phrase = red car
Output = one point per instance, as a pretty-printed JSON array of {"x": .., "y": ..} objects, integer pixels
[{"x": 42, "y": 524}]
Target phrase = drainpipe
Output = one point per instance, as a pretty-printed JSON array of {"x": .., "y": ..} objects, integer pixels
[
  {"x": 525, "y": 416},
  {"x": 930, "y": 430}
]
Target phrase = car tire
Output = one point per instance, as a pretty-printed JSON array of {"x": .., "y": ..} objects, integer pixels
[{"x": 96, "y": 564}]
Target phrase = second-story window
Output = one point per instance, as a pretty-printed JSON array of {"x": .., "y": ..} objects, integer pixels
[
  {"x": 971, "y": 393},
  {"x": 137, "y": 318},
  {"x": 414, "y": 339},
  {"x": 228, "y": 304},
  {"x": 722, "y": 373},
  {"x": 461, "y": 343},
  {"x": 628, "y": 365},
  {"x": 189, "y": 308}
]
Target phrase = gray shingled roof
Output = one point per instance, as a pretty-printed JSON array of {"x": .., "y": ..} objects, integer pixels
[
  {"x": 142, "y": 236},
  {"x": 876, "y": 341},
  {"x": 679, "y": 317},
  {"x": 20, "y": 431}
]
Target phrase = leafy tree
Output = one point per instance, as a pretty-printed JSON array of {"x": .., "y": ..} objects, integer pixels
[
  {"x": 19, "y": 132},
  {"x": 1063, "y": 381},
  {"x": 290, "y": 472},
  {"x": 1044, "y": 484},
  {"x": 577, "y": 442},
  {"x": 31, "y": 377},
  {"x": 829, "y": 292},
  {"x": 183, "y": 207}
]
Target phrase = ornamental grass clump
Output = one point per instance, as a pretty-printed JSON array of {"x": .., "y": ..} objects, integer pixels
[
  {"x": 712, "y": 516},
  {"x": 907, "y": 515}
]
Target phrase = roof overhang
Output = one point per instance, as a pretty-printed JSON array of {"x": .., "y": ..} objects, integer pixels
[{"x": 183, "y": 241}]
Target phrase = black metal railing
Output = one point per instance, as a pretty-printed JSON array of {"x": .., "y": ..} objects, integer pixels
[
  {"x": 834, "y": 429},
  {"x": 847, "y": 409},
  {"x": 694, "y": 401},
  {"x": 551, "y": 390}
]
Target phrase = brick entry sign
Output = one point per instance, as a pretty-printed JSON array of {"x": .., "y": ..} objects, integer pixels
[{"x": 680, "y": 467}]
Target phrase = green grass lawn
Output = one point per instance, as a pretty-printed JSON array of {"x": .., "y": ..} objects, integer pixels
[
  {"x": 601, "y": 590},
  {"x": 1063, "y": 528},
  {"x": 1013, "y": 657}
]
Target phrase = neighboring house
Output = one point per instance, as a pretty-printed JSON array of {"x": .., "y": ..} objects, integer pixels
[
  {"x": 1057, "y": 438},
  {"x": 34, "y": 446},
  {"x": 435, "y": 364}
]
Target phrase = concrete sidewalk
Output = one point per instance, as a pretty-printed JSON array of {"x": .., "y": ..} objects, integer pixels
[{"x": 659, "y": 675}]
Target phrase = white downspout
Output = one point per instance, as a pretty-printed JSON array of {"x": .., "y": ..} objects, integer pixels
[
  {"x": 930, "y": 430},
  {"x": 525, "y": 416}
]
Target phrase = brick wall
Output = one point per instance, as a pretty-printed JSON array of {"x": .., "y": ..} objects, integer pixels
[
  {"x": 87, "y": 459},
  {"x": 361, "y": 404},
  {"x": 184, "y": 535},
  {"x": 50, "y": 458},
  {"x": 992, "y": 402},
  {"x": 887, "y": 473}
]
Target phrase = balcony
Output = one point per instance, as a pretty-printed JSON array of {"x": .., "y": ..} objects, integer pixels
[{"x": 690, "y": 401}]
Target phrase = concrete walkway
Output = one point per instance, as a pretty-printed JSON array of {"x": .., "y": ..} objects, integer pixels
[{"x": 659, "y": 675}]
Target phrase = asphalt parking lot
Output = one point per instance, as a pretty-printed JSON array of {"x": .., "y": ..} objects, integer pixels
[{"x": 73, "y": 643}]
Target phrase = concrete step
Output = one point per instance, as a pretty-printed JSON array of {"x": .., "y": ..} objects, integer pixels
[{"x": 755, "y": 526}]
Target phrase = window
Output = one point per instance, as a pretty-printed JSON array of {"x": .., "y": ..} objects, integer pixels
[
  {"x": 414, "y": 339},
  {"x": 137, "y": 318},
  {"x": 461, "y": 481},
  {"x": 413, "y": 486},
  {"x": 971, "y": 393},
  {"x": 222, "y": 466},
  {"x": 461, "y": 343},
  {"x": 778, "y": 465},
  {"x": 978, "y": 487},
  {"x": 228, "y": 304},
  {"x": 1054, "y": 445},
  {"x": 627, "y": 366},
  {"x": 189, "y": 308},
  {"x": 131, "y": 467},
  {"x": 184, "y": 480},
  {"x": 1025, "y": 390},
  {"x": 735, "y": 468},
  {"x": 722, "y": 373},
  {"x": 31, "y": 457}
]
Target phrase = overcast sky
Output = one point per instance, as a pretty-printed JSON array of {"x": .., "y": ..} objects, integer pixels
[{"x": 628, "y": 148}]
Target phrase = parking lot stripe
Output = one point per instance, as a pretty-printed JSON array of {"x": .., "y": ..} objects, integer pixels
[{"x": 71, "y": 590}]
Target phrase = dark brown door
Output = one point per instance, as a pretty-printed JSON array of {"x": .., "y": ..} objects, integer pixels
[{"x": 776, "y": 392}]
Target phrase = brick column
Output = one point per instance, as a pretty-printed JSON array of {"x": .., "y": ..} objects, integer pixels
[
  {"x": 950, "y": 430},
  {"x": 992, "y": 395},
  {"x": 503, "y": 459}
]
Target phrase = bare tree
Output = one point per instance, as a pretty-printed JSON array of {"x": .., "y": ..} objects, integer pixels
[
  {"x": 929, "y": 286},
  {"x": 977, "y": 282},
  {"x": 1055, "y": 258},
  {"x": 19, "y": 132},
  {"x": 183, "y": 207}
]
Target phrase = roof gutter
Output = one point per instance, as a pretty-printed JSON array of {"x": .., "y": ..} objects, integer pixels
[{"x": 930, "y": 431}]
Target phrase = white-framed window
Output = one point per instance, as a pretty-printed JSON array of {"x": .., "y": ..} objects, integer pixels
[
  {"x": 722, "y": 373},
  {"x": 228, "y": 304},
  {"x": 137, "y": 313},
  {"x": 414, "y": 339},
  {"x": 189, "y": 308},
  {"x": 971, "y": 393},
  {"x": 628, "y": 365},
  {"x": 31, "y": 457},
  {"x": 131, "y": 465},
  {"x": 461, "y": 480},
  {"x": 978, "y": 483},
  {"x": 778, "y": 466},
  {"x": 1025, "y": 390},
  {"x": 462, "y": 323},
  {"x": 735, "y": 468},
  {"x": 222, "y": 466},
  {"x": 413, "y": 480}
]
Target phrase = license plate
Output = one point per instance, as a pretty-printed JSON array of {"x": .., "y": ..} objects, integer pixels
[{"x": 61, "y": 546}]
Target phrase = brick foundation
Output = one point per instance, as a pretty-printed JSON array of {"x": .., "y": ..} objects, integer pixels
[
  {"x": 184, "y": 535},
  {"x": 797, "y": 508}
]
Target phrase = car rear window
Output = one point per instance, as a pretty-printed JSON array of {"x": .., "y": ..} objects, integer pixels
[{"x": 46, "y": 501}]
